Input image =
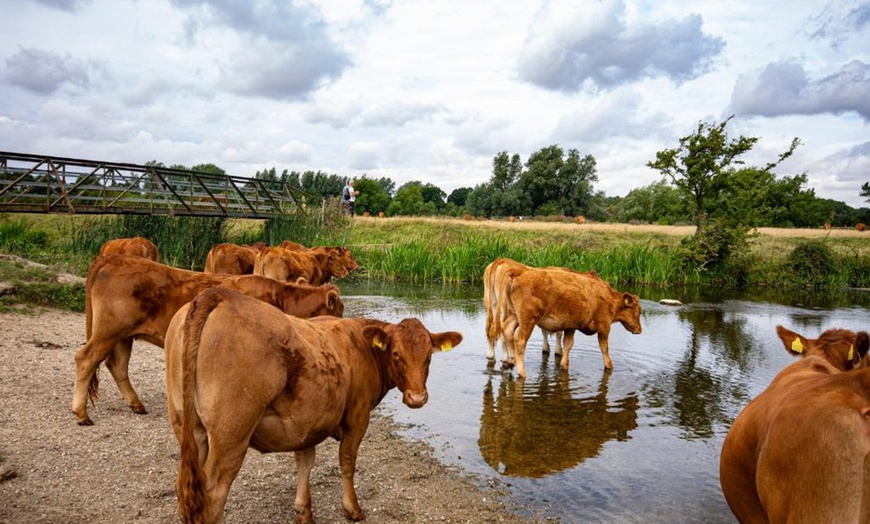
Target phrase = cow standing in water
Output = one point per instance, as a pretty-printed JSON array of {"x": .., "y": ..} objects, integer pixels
[
  {"x": 800, "y": 451},
  {"x": 563, "y": 300},
  {"x": 304, "y": 381}
]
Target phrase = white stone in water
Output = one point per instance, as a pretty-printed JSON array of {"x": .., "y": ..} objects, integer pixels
[{"x": 670, "y": 302}]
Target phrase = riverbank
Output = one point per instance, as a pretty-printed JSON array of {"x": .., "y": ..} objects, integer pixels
[{"x": 123, "y": 468}]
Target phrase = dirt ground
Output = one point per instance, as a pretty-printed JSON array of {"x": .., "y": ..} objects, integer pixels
[{"x": 123, "y": 468}]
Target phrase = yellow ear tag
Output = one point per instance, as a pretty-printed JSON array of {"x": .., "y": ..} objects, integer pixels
[
  {"x": 376, "y": 342},
  {"x": 446, "y": 346},
  {"x": 851, "y": 352},
  {"x": 796, "y": 346}
]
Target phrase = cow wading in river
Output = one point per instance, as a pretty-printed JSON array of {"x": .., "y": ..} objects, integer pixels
[
  {"x": 304, "y": 381},
  {"x": 563, "y": 300},
  {"x": 129, "y": 297},
  {"x": 800, "y": 451}
]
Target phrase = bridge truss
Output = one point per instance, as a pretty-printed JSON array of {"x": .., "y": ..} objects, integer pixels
[{"x": 48, "y": 184}]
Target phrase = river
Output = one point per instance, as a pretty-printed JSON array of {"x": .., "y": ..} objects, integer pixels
[{"x": 639, "y": 443}]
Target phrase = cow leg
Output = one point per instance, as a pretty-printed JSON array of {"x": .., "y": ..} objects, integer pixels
[
  {"x": 87, "y": 358},
  {"x": 568, "y": 343},
  {"x": 347, "y": 453},
  {"x": 220, "y": 470},
  {"x": 559, "y": 344},
  {"x": 118, "y": 363},
  {"x": 545, "y": 345},
  {"x": 508, "y": 345},
  {"x": 521, "y": 338},
  {"x": 603, "y": 335},
  {"x": 302, "y": 504}
]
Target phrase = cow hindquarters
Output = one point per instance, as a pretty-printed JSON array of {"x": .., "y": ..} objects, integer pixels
[{"x": 302, "y": 504}]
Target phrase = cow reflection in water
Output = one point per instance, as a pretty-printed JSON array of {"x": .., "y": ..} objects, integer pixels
[{"x": 534, "y": 429}]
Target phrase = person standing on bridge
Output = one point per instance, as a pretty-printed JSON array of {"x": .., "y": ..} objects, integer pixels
[{"x": 348, "y": 197}]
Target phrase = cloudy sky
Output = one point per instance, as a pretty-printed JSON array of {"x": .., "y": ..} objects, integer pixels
[{"x": 432, "y": 90}]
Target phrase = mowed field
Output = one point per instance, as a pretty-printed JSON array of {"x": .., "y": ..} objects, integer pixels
[{"x": 536, "y": 225}]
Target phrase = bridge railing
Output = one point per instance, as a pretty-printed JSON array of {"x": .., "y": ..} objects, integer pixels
[{"x": 45, "y": 184}]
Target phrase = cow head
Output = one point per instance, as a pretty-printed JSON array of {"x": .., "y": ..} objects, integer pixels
[
  {"x": 347, "y": 259},
  {"x": 408, "y": 348},
  {"x": 335, "y": 265},
  {"x": 844, "y": 349},
  {"x": 628, "y": 313}
]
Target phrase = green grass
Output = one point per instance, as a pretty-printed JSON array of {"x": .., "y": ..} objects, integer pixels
[{"x": 425, "y": 250}]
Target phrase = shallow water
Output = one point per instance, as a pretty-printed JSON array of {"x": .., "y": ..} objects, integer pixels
[{"x": 637, "y": 444}]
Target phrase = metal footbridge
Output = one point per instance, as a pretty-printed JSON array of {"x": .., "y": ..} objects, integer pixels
[{"x": 49, "y": 184}]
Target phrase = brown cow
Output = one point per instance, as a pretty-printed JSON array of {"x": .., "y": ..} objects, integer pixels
[
  {"x": 343, "y": 253},
  {"x": 314, "y": 267},
  {"x": 136, "y": 246},
  {"x": 129, "y": 297},
  {"x": 799, "y": 451},
  {"x": 230, "y": 259},
  {"x": 304, "y": 381},
  {"x": 860, "y": 227},
  {"x": 493, "y": 278},
  {"x": 560, "y": 300}
]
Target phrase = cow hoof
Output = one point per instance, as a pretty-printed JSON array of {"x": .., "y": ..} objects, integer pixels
[
  {"x": 303, "y": 516},
  {"x": 86, "y": 422},
  {"x": 140, "y": 410},
  {"x": 355, "y": 516}
]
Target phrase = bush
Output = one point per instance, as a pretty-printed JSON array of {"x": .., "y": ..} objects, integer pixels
[
  {"x": 812, "y": 264},
  {"x": 715, "y": 245},
  {"x": 21, "y": 237}
]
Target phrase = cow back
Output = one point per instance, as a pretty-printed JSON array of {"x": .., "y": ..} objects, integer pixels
[{"x": 136, "y": 246}]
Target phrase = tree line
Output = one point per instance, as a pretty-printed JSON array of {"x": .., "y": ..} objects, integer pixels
[{"x": 704, "y": 180}]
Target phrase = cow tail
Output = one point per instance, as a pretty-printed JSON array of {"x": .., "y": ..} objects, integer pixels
[
  {"x": 191, "y": 478},
  {"x": 96, "y": 266},
  {"x": 504, "y": 303},
  {"x": 488, "y": 273}
]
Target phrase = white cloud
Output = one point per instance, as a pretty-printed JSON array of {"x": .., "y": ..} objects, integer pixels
[{"x": 431, "y": 91}]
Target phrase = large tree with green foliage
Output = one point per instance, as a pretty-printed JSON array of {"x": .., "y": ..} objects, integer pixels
[
  {"x": 657, "y": 203},
  {"x": 459, "y": 196},
  {"x": 697, "y": 166},
  {"x": 409, "y": 201},
  {"x": 865, "y": 190},
  {"x": 557, "y": 184},
  {"x": 372, "y": 196}
]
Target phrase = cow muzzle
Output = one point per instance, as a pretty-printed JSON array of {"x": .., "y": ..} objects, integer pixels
[{"x": 415, "y": 400}]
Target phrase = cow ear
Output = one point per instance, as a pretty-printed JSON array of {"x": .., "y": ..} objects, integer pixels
[
  {"x": 794, "y": 343},
  {"x": 628, "y": 300},
  {"x": 377, "y": 337},
  {"x": 331, "y": 299},
  {"x": 446, "y": 341}
]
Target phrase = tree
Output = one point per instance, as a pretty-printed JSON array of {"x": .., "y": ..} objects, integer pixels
[
  {"x": 865, "y": 190},
  {"x": 433, "y": 194},
  {"x": 408, "y": 200},
  {"x": 372, "y": 196},
  {"x": 506, "y": 170},
  {"x": 556, "y": 184},
  {"x": 696, "y": 166},
  {"x": 459, "y": 196},
  {"x": 657, "y": 203}
]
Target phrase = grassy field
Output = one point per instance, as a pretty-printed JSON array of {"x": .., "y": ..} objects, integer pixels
[{"x": 447, "y": 250}]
